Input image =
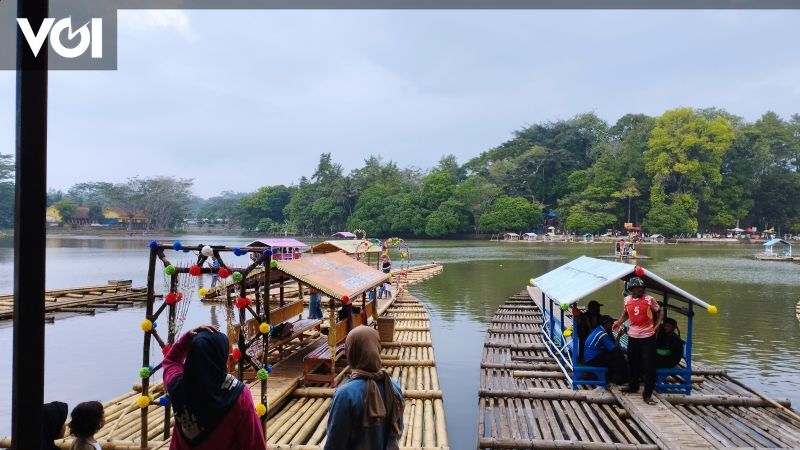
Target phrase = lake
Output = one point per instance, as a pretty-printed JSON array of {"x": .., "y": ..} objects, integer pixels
[{"x": 755, "y": 335}]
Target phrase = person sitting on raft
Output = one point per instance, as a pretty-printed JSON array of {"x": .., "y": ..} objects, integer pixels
[
  {"x": 367, "y": 411},
  {"x": 54, "y": 419},
  {"x": 603, "y": 350},
  {"x": 213, "y": 410},
  {"x": 669, "y": 345},
  {"x": 588, "y": 321}
]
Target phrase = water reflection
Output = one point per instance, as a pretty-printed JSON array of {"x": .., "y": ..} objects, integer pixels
[{"x": 755, "y": 335}]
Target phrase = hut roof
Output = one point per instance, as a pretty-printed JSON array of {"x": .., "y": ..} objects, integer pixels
[
  {"x": 511, "y": 234},
  {"x": 344, "y": 235},
  {"x": 348, "y": 246},
  {"x": 583, "y": 276},
  {"x": 772, "y": 242},
  {"x": 277, "y": 242},
  {"x": 334, "y": 274},
  {"x": 81, "y": 212}
]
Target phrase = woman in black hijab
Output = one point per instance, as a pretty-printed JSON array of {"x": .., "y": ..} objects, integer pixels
[{"x": 54, "y": 416}]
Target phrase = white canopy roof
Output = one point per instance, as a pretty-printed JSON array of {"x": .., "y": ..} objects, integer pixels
[{"x": 583, "y": 276}]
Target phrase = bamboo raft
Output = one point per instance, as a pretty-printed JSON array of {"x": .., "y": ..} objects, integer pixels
[
  {"x": 623, "y": 258},
  {"x": 525, "y": 401},
  {"x": 82, "y": 300},
  {"x": 762, "y": 257},
  {"x": 298, "y": 414}
]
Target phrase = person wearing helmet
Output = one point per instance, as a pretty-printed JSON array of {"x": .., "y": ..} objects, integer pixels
[{"x": 645, "y": 317}]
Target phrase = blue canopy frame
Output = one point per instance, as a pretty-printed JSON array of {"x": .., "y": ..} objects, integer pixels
[{"x": 563, "y": 287}]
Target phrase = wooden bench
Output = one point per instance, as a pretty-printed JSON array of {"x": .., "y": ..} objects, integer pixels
[{"x": 321, "y": 357}]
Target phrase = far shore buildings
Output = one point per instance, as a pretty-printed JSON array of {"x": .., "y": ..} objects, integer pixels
[{"x": 112, "y": 218}]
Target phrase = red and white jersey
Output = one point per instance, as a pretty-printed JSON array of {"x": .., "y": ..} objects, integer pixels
[{"x": 641, "y": 312}]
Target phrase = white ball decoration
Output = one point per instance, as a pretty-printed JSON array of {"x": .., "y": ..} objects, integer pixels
[{"x": 207, "y": 251}]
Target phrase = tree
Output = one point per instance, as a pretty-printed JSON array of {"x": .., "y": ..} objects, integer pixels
[
  {"x": 6, "y": 191},
  {"x": 66, "y": 209},
  {"x": 97, "y": 193},
  {"x": 510, "y": 213},
  {"x": 437, "y": 187},
  {"x": 162, "y": 199},
  {"x": 448, "y": 163},
  {"x": 267, "y": 202},
  {"x": 477, "y": 194},
  {"x": 449, "y": 218},
  {"x": 668, "y": 220},
  {"x": 629, "y": 190}
]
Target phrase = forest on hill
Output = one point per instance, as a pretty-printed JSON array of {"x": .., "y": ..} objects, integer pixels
[{"x": 685, "y": 171}]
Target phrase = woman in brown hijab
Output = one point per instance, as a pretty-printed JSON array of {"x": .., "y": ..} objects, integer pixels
[{"x": 367, "y": 411}]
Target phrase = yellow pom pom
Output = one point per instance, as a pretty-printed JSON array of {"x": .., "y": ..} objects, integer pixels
[
  {"x": 261, "y": 409},
  {"x": 203, "y": 292},
  {"x": 264, "y": 328},
  {"x": 146, "y": 325},
  {"x": 567, "y": 332},
  {"x": 712, "y": 309},
  {"x": 532, "y": 282},
  {"x": 143, "y": 401}
]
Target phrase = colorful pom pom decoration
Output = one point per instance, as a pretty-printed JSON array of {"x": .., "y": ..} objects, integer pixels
[
  {"x": 269, "y": 368},
  {"x": 261, "y": 409},
  {"x": 153, "y": 245},
  {"x": 565, "y": 306},
  {"x": 567, "y": 332},
  {"x": 237, "y": 251},
  {"x": 236, "y": 354},
  {"x": 180, "y": 296},
  {"x": 237, "y": 276},
  {"x": 273, "y": 264},
  {"x": 165, "y": 350},
  {"x": 712, "y": 309},
  {"x": 262, "y": 374},
  {"x": 345, "y": 299},
  {"x": 532, "y": 282},
  {"x": 171, "y": 298},
  {"x": 264, "y": 328},
  {"x": 170, "y": 270},
  {"x": 177, "y": 246},
  {"x": 195, "y": 270},
  {"x": 163, "y": 400},
  {"x": 223, "y": 272},
  {"x": 207, "y": 250},
  {"x": 638, "y": 271},
  {"x": 241, "y": 302},
  {"x": 143, "y": 401},
  {"x": 146, "y": 325},
  {"x": 267, "y": 253},
  {"x": 203, "y": 292},
  {"x": 144, "y": 372}
]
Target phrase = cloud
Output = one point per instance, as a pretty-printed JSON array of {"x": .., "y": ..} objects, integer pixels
[{"x": 132, "y": 22}]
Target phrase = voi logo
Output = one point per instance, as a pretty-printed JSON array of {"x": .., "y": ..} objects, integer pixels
[{"x": 87, "y": 38}]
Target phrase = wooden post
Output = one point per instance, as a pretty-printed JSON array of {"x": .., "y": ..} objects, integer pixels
[
  {"x": 173, "y": 287},
  {"x": 151, "y": 295},
  {"x": 27, "y": 385},
  {"x": 281, "y": 295},
  {"x": 242, "y": 330},
  {"x": 364, "y": 308},
  {"x": 265, "y": 339}
]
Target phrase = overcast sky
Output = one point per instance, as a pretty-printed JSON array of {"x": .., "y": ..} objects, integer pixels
[{"x": 241, "y": 99}]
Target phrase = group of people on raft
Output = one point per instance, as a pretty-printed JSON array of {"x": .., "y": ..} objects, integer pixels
[{"x": 653, "y": 340}]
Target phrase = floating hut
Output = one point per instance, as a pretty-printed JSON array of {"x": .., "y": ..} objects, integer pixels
[
  {"x": 656, "y": 239},
  {"x": 777, "y": 250},
  {"x": 530, "y": 236},
  {"x": 510, "y": 237},
  {"x": 282, "y": 248},
  {"x": 535, "y": 392},
  {"x": 343, "y": 235}
]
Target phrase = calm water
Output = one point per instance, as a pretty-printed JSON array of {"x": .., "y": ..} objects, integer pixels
[{"x": 755, "y": 335}]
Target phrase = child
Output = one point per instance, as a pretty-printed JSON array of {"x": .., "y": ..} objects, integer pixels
[
  {"x": 315, "y": 305},
  {"x": 87, "y": 419}
]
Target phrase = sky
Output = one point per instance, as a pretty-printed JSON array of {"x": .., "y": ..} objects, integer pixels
[{"x": 241, "y": 99}]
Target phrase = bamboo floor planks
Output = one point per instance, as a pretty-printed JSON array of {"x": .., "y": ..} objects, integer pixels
[{"x": 525, "y": 401}]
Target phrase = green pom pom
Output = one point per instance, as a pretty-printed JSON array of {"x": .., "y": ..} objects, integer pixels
[
  {"x": 144, "y": 372},
  {"x": 237, "y": 276},
  {"x": 262, "y": 374},
  {"x": 565, "y": 306},
  {"x": 170, "y": 270},
  {"x": 273, "y": 264}
]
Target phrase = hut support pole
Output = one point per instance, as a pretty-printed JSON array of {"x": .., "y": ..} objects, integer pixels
[
  {"x": 688, "y": 350},
  {"x": 27, "y": 386},
  {"x": 151, "y": 277},
  {"x": 264, "y": 316}
]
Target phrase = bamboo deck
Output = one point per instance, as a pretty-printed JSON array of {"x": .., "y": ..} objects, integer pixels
[
  {"x": 298, "y": 414},
  {"x": 776, "y": 258},
  {"x": 81, "y": 300},
  {"x": 525, "y": 401},
  {"x": 625, "y": 258}
]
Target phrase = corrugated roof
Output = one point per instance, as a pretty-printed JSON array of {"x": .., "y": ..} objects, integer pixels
[
  {"x": 335, "y": 274},
  {"x": 583, "y": 276},
  {"x": 348, "y": 246},
  {"x": 344, "y": 234},
  {"x": 278, "y": 242}
]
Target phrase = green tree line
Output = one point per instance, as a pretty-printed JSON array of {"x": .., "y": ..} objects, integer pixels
[{"x": 685, "y": 171}]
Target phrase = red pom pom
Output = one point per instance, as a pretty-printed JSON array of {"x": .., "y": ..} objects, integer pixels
[
  {"x": 224, "y": 273},
  {"x": 242, "y": 302},
  {"x": 166, "y": 349},
  {"x": 576, "y": 311},
  {"x": 180, "y": 296},
  {"x": 345, "y": 299},
  {"x": 638, "y": 271},
  {"x": 171, "y": 298},
  {"x": 236, "y": 354},
  {"x": 195, "y": 270}
]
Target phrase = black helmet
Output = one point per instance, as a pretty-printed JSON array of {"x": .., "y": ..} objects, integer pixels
[{"x": 635, "y": 282}]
